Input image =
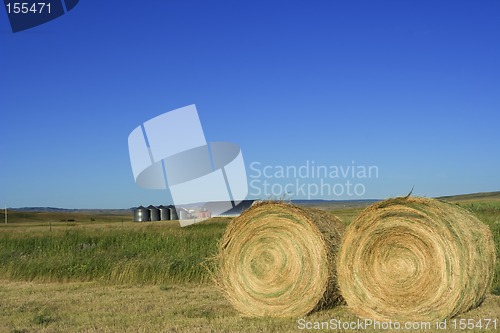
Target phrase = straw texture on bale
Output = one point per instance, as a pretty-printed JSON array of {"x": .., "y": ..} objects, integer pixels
[
  {"x": 278, "y": 260},
  {"x": 410, "y": 259}
]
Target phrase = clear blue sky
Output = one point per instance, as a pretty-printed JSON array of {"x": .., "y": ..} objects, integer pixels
[{"x": 412, "y": 87}]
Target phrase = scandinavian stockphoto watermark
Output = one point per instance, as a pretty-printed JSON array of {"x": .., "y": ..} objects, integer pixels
[
  {"x": 310, "y": 180},
  {"x": 170, "y": 152},
  {"x": 361, "y": 325},
  {"x": 370, "y": 324}
]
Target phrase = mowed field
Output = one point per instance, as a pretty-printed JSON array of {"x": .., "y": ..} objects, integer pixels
[{"x": 104, "y": 273}]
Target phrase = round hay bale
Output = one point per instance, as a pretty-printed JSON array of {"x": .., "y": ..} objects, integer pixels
[
  {"x": 278, "y": 260},
  {"x": 409, "y": 259}
]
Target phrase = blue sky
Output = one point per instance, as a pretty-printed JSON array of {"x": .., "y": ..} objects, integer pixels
[{"x": 409, "y": 86}]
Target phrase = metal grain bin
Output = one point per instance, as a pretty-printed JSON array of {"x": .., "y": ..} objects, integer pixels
[
  {"x": 173, "y": 213},
  {"x": 141, "y": 214},
  {"x": 154, "y": 213},
  {"x": 164, "y": 213},
  {"x": 183, "y": 214}
]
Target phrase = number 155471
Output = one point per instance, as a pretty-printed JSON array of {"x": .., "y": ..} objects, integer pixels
[{"x": 25, "y": 7}]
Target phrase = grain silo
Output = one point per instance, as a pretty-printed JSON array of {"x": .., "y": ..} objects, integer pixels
[
  {"x": 173, "y": 213},
  {"x": 183, "y": 214},
  {"x": 141, "y": 214},
  {"x": 164, "y": 213},
  {"x": 154, "y": 213}
]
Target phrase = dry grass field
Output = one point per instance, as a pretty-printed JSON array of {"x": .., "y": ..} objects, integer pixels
[{"x": 94, "y": 307}]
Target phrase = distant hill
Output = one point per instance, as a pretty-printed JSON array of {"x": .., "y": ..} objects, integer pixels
[
  {"x": 66, "y": 210},
  {"x": 322, "y": 202},
  {"x": 42, "y": 209},
  {"x": 483, "y": 196}
]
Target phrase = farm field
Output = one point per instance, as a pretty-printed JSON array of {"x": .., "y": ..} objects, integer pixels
[
  {"x": 94, "y": 307},
  {"x": 103, "y": 273}
]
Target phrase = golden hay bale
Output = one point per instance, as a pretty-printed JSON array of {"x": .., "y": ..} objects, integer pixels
[
  {"x": 410, "y": 259},
  {"x": 277, "y": 260}
]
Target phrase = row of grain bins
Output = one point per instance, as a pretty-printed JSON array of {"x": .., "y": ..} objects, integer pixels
[{"x": 152, "y": 213}]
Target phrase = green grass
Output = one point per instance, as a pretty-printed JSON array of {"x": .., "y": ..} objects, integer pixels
[
  {"x": 489, "y": 213},
  {"x": 64, "y": 216},
  {"x": 39, "y": 247},
  {"x": 149, "y": 253}
]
